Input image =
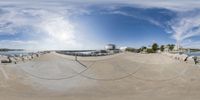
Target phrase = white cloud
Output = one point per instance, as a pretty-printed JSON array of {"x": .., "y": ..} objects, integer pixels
[
  {"x": 179, "y": 5},
  {"x": 146, "y": 18},
  {"x": 188, "y": 43},
  {"x": 50, "y": 17},
  {"x": 186, "y": 26},
  {"x": 51, "y": 26},
  {"x": 16, "y": 44},
  {"x": 58, "y": 28}
]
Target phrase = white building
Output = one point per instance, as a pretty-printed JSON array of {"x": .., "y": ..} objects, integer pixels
[
  {"x": 123, "y": 48},
  {"x": 110, "y": 47},
  {"x": 177, "y": 47},
  {"x": 166, "y": 48}
]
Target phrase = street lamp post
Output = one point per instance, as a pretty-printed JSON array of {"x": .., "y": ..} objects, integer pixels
[{"x": 75, "y": 56}]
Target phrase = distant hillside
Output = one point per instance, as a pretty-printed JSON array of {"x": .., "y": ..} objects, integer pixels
[
  {"x": 194, "y": 50},
  {"x": 5, "y": 49}
]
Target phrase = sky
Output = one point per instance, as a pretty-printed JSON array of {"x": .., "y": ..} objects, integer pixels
[{"x": 91, "y": 24}]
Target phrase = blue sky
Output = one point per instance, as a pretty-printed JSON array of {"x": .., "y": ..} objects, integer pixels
[{"x": 63, "y": 24}]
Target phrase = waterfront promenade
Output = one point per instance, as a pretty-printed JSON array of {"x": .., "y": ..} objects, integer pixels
[{"x": 124, "y": 76}]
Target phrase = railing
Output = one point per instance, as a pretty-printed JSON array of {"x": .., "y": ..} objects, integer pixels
[{"x": 85, "y": 55}]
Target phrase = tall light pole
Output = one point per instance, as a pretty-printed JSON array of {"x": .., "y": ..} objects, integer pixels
[{"x": 178, "y": 45}]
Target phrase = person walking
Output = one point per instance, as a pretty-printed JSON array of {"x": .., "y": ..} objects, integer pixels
[{"x": 195, "y": 59}]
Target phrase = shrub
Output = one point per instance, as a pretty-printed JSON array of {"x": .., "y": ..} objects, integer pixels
[
  {"x": 150, "y": 51},
  {"x": 162, "y": 48},
  {"x": 131, "y": 49}
]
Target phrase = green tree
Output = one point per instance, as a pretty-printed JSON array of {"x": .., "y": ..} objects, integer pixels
[
  {"x": 162, "y": 48},
  {"x": 155, "y": 47},
  {"x": 131, "y": 49}
]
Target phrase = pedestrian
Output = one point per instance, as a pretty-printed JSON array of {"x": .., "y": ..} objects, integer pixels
[{"x": 195, "y": 59}]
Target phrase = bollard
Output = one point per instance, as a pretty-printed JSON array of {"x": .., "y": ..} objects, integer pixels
[{"x": 76, "y": 57}]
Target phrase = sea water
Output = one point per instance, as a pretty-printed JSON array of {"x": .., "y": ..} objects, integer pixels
[{"x": 194, "y": 53}]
